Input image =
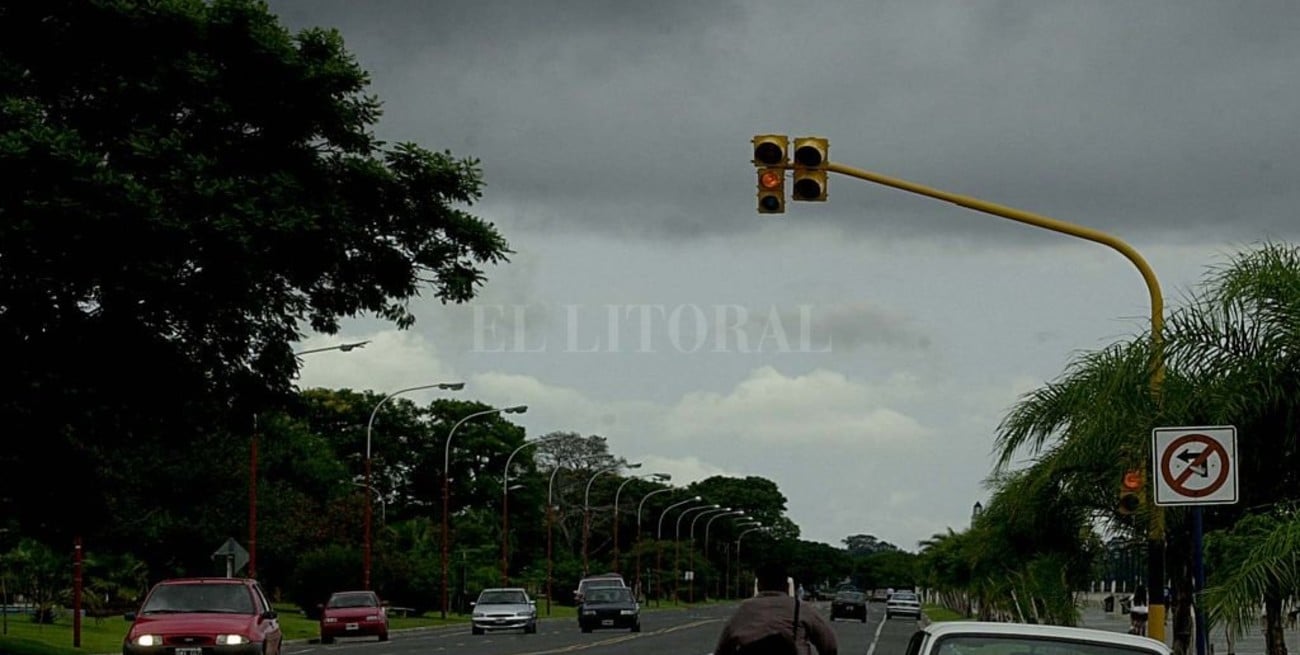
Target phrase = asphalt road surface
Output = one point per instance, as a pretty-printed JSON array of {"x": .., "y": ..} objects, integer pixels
[{"x": 667, "y": 631}]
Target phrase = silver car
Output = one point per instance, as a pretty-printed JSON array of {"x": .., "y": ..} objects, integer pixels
[{"x": 505, "y": 608}]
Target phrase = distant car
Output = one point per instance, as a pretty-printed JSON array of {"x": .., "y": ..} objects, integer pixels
[
  {"x": 903, "y": 603},
  {"x": 879, "y": 596},
  {"x": 353, "y": 614},
  {"x": 849, "y": 605},
  {"x": 594, "y": 581},
  {"x": 974, "y": 637},
  {"x": 204, "y": 616},
  {"x": 609, "y": 607},
  {"x": 504, "y": 608}
]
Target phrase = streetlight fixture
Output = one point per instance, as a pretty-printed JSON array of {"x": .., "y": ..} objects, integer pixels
[
  {"x": 976, "y": 510},
  {"x": 738, "y": 512},
  {"x": 550, "y": 521},
  {"x": 658, "y": 477},
  {"x": 739, "y": 589},
  {"x": 505, "y": 506},
  {"x": 252, "y": 463},
  {"x": 446, "y": 487},
  {"x": 690, "y": 548},
  {"x": 586, "y": 510},
  {"x": 637, "y": 543},
  {"x": 370, "y": 424},
  {"x": 677, "y": 539},
  {"x": 659, "y": 544}
]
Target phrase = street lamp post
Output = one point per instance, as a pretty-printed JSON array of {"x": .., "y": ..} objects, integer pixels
[
  {"x": 637, "y": 547},
  {"x": 252, "y": 463},
  {"x": 370, "y": 424},
  {"x": 659, "y": 545},
  {"x": 505, "y": 507},
  {"x": 740, "y": 593},
  {"x": 726, "y": 546},
  {"x": 383, "y": 504},
  {"x": 738, "y": 512},
  {"x": 677, "y": 543},
  {"x": 586, "y": 510},
  {"x": 690, "y": 548},
  {"x": 446, "y": 488},
  {"x": 660, "y": 477}
]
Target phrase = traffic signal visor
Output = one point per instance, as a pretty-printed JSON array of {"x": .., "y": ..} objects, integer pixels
[{"x": 771, "y": 150}]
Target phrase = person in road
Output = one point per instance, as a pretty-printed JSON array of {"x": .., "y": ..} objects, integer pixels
[
  {"x": 1138, "y": 612},
  {"x": 773, "y": 623}
]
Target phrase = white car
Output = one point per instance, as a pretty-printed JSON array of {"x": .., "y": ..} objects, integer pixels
[
  {"x": 977, "y": 638},
  {"x": 903, "y": 603},
  {"x": 506, "y": 608}
]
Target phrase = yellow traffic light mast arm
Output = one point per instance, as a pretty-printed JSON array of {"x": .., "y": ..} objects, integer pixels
[
  {"x": 1148, "y": 275},
  {"x": 1156, "y": 529}
]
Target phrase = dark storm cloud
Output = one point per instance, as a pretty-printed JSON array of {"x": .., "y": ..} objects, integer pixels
[{"x": 1174, "y": 117}]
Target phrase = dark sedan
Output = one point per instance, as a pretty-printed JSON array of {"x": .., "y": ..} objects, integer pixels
[
  {"x": 609, "y": 607},
  {"x": 849, "y": 605}
]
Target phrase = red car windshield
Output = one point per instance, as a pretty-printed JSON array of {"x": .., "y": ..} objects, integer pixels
[
  {"x": 353, "y": 600},
  {"x": 200, "y": 597}
]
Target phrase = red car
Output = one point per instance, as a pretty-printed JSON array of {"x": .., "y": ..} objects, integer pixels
[
  {"x": 204, "y": 616},
  {"x": 353, "y": 614}
]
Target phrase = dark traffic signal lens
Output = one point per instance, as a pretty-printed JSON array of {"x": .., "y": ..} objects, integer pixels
[
  {"x": 808, "y": 156},
  {"x": 769, "y": 153}
]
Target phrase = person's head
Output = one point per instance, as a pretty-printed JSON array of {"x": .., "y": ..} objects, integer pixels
[{"x": 771, "y": 577}]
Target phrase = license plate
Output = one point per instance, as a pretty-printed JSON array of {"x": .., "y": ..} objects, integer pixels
[
  {"x": 189, "y": 651},
  {"x": 352, "y": 626},
  {"x": 607, "y": 622}
]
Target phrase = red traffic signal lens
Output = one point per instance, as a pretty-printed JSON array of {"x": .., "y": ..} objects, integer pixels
[
  {"x": 1132, "y": 480},
  {"x": 770, "y": 179},
  {"x": 769, "y": 153},
  {"x": 808, "y": 156}
]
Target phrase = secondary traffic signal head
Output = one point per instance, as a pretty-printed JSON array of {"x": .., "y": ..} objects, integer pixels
[
  {"x": 1130, "y": 492},
  {"x": 811, "y": 155},
  {"x": 772, "y": 157}
]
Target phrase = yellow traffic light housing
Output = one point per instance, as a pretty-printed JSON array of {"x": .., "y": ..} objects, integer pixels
[
  {"x": 771, "y": 190},
  {"x": 811, "y": 154},
  {"x": 772, "y": 157},
  {"x": 1130, "y": 493}
]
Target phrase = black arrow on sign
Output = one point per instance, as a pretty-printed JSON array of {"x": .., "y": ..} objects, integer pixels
[{"x": 1188, "y": 457}]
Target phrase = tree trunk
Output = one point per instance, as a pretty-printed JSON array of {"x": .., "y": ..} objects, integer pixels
[{"x": 1274, "y": 642}]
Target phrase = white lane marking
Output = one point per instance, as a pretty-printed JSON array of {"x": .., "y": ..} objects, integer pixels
[{"x": 872, "y": 648}]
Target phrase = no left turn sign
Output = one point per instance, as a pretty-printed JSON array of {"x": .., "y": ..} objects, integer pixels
[{"x": 1195, "y": 465}]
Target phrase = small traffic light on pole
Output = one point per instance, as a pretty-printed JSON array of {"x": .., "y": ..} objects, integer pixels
[
  {"x": 1130, "y": 493},
  {"x": 811, "y": 154},
  {"x": 771, "y": 158}
]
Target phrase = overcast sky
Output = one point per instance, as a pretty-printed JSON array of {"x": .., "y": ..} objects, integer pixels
[{"x": 859, "y": 352}]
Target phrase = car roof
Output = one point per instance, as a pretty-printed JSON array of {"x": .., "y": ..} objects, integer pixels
[
  {"x": 243, "y": 581},
  {"x": 503, "y": 589},
  {"x": 945, "y": 628}
]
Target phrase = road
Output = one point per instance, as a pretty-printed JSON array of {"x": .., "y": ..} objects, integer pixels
[{"x": 678, "y": 632}]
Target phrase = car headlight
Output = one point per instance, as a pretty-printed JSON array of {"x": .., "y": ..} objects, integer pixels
[
  {"x": 372, "y": 617},
  {"x": 148, "y": 640},
  {"x": 479, "y": 615},
  {"x": 627, "y": 612},
  {"x": 588, "y": 612},
  {"x": 231, "y": 640},
  {"x": 330, "y": 619}
]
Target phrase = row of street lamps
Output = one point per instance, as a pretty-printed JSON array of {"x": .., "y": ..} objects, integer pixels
[{"x": 716, "y": 510}]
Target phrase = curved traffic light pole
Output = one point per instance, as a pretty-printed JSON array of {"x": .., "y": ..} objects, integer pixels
[{"x": 1156, "y": 529}]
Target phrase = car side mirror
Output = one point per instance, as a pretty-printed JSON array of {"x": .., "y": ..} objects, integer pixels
[
  {"x": 473, "y": 603},
  {"x": 532, "y": 602},
  {"x": 320, "y": 606},
  {"x": 129, "y": 616},
  {"x": 270, "y": 614}
]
